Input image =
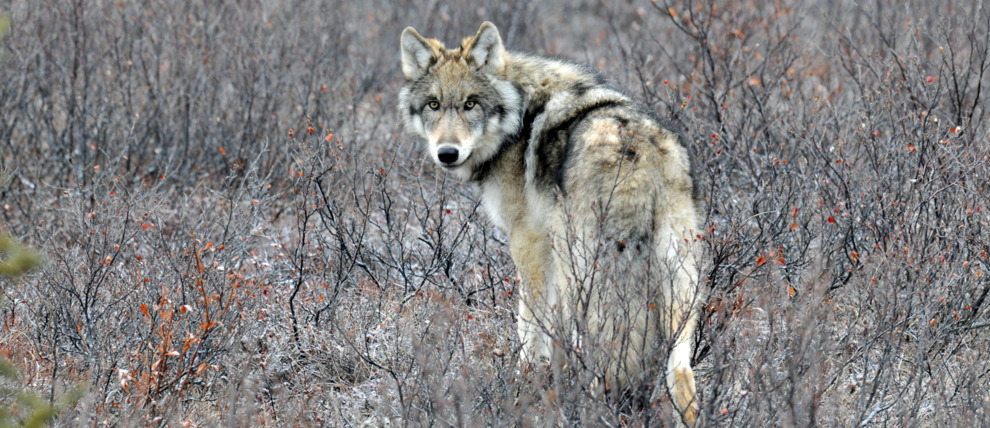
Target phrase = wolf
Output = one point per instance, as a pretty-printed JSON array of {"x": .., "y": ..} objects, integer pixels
[{"x": 596, "y": 194}]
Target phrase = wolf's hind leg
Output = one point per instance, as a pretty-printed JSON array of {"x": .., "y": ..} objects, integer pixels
[
  {"x": 680, "y": 381},
  {"x": 680, "y": 376}
]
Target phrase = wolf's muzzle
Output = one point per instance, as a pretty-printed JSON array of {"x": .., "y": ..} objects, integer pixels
[{"x": 448, "y": 155}]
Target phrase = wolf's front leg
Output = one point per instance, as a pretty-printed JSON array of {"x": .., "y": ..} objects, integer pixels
[
  {"x": 531, "y": 254},
  {"x": 533, "y": 328}
]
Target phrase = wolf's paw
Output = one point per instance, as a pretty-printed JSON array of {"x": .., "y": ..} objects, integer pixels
[{"x": 684, "y": 395}]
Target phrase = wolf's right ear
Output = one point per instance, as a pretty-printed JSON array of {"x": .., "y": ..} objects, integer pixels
[{"x": 417, "y": 55}]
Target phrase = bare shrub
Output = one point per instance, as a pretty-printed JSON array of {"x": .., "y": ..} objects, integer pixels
[{"x": 237, "y": 232}]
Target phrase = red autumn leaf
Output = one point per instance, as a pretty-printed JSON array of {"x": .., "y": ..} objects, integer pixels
[
  {"x": 144, "y": 308},
  {"x": 831, "y": 220}
]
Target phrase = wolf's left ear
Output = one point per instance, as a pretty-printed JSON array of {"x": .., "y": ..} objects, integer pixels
[
  {"x": 417, "y": 55},
  {"x": 486, "y": 52}
]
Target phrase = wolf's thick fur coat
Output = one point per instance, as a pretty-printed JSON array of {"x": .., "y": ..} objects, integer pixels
[{"x": 596, "y": 194}]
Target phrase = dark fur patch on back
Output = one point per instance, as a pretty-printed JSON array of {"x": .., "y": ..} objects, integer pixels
[{"x": 555, "y": 145}]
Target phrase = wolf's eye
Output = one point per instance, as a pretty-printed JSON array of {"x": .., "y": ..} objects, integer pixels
[
  {"x": 469, "y": 105},
  {"x": 435, "y": 105}
]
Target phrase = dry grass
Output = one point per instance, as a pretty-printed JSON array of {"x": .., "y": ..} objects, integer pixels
[{"x": 236, "y": 231}]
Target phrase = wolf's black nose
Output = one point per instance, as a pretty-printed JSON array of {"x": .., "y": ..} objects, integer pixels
[{"x": 447, "y": 155}]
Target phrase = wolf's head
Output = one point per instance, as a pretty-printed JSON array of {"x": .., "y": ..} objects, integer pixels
[{"x": 459, "y": 100}]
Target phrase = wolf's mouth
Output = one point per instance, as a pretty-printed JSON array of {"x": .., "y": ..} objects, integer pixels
[{"x": 451, "y": 166}]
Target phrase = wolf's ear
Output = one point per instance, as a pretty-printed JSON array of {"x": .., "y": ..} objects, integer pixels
[
  {"x": 417, "y": 55},
  {"x": 486, "y": 52}
]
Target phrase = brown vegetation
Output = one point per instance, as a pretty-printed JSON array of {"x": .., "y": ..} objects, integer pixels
[{"x": 235, "y": 230}]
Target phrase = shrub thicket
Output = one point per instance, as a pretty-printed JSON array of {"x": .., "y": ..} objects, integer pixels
[{"x": 236, "y": 230}]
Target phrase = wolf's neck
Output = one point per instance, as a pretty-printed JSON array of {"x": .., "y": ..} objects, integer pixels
[
  {"x": 503, "y": 187},
  {"x": 542, "y": 77}
]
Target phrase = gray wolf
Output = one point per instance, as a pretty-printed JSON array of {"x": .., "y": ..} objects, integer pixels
[{"x": 595, "y": 193}]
